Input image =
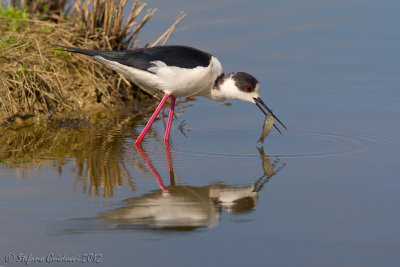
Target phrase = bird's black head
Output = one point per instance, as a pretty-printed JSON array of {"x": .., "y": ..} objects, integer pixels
[{"x": 245, "y": 82}]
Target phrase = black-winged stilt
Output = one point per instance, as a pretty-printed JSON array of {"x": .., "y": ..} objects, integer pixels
[{"x": 179, "y": 71}]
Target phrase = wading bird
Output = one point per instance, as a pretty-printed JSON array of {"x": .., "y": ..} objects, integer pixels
[{"x": 179, "y": 71}]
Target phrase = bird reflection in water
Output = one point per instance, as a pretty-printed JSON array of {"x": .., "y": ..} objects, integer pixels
[{"x": 186, "y": 208}]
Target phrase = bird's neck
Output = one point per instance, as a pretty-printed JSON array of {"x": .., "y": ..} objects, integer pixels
[
  {"x": 217, "y": 92},
  {"x": 220, "y": 79}
]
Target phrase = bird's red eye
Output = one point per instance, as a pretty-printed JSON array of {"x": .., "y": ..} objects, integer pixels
[{"x": 249, "y": 89}]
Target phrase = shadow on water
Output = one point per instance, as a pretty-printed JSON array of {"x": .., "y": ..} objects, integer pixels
[{"x": 179, "y": 208}]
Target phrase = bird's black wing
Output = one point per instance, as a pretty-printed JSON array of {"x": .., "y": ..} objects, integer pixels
[
  {"x": 141, "y": 58},
  {"x": 179, "y": 56}
]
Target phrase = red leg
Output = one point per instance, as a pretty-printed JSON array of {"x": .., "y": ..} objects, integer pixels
[
  {"x": 150, "y": 122},
  {"x": 170, "y": 116}
]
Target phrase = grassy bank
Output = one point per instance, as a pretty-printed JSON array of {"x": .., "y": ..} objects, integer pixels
[
  {"x": 57, "y": 107},
  {"x": 37, "y": 80}
]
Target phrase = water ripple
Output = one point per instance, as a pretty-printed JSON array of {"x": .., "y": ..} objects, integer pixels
[{"x": 340, "y": 143}]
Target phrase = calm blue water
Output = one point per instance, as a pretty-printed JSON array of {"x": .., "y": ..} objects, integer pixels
[{"x": 328, "y": 69}]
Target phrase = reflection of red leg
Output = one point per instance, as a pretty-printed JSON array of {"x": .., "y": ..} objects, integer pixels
[
  {"x": 150, "y": 122},
  {"x": 170, "y": 116},
  {"x": 170, "y": 165},
  {"x": 151, "y": 167}
]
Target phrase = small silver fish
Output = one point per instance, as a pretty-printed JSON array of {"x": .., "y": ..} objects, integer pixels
[{"x": 268, "y": 123}]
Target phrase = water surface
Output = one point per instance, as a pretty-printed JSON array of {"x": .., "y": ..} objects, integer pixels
[{"x": 324, "y": 193}]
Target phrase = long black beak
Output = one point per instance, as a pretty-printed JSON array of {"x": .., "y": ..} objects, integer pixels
[{"x": 261, "y": 104}]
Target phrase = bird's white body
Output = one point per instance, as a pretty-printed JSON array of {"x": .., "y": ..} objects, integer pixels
[{"x": 172, "y": 80}]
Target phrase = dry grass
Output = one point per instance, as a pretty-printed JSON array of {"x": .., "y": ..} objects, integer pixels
[
  {"x": 37, "y": 79},
  {"x": 101, "y": 20}
]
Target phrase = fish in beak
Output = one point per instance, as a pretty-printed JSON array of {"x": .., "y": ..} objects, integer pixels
[{"x": 263, "y": 106}]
